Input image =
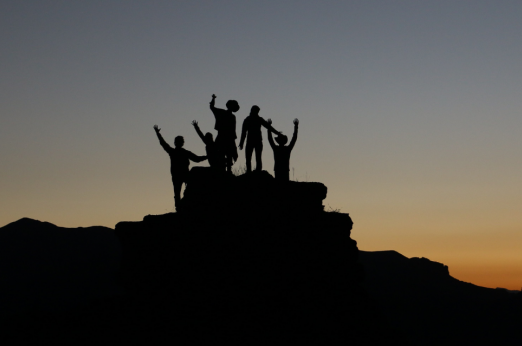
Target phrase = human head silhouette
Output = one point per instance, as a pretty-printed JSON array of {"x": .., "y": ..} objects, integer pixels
[
  {"x": 254, "y": 110},
  {"x": 232, "y": 105},
  {"x": 209, "y": 138},
  {"x": 281, "y": 140},
  {"x": 179, "y": 141}
]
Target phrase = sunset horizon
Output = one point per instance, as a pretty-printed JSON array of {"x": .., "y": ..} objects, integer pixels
[{"x": 409, "y": 114}]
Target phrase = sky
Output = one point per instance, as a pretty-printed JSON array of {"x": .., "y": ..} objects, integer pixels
[{"x": 409, "y": 112}]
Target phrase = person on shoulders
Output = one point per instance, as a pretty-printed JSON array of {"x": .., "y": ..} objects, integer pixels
[
  {"x": 282, "y": 152},
  {"x": 179, "y": 162},
  {"x": 254, "y": 139}
]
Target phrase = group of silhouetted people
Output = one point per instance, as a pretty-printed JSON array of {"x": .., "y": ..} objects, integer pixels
[{"x": 222, "y": 152}]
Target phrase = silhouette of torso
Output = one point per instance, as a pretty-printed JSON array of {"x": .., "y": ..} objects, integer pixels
[
  {"x": 282, "y": 155},
  {"x": 180, "y": 161},
  {"x": 252, "y": 124},
  {"x": 225, "y": 123},
  {"x": 282, "y": 158}
]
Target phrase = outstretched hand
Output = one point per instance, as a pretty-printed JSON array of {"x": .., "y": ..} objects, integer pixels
[
  {"x": 157, "y": 129},
  {"x": 269, "y": 122},
  {"x": 296, "y": 122},
  {"x": 194, "y": 123}
]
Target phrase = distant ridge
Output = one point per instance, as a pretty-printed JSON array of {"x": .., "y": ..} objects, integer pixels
[
  {"x": 46, "y": 268},
  {"x": 421, "y": 298}
]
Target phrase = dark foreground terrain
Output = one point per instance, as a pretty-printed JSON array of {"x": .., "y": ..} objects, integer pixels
[
  {"x": 245, "y": 261},
  {"x": 419, "y": 297}
]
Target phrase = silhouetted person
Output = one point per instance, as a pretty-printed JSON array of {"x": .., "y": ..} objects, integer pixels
[
  {"x": 282, "y": 153},
  {"x": 215, "y": 157},
  {"x": 179, "y": 162},
  {"x": 252, "y": 131},
  {"x": 226, "y": 128}
]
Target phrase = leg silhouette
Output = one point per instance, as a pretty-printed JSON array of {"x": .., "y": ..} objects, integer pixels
[
  {"x": 248, "y": 156},
  {"x": 178, "y": 183},
  {"x": 259, "y": 152}
]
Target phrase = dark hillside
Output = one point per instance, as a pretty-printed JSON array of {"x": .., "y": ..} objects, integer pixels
[
  {"x": 419, "y": 297},
  {"x": 246, "y": 261},
  {"x": 46, "y": 268}
]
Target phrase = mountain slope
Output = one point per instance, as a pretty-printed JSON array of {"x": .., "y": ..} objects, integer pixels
[
  {"x": 49, "y": 268},
  {"x": 420, "y": 298}
]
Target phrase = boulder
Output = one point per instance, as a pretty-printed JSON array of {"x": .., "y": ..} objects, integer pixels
[{"x": 211, "y": 191}]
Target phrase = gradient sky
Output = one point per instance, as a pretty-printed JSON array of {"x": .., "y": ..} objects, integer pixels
[{"x": 409, "y": 110}]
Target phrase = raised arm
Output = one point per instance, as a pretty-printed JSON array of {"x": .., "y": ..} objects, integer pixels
[
  {"x": 270, "y": 139},
  {"x": 243, "y": 133},
  {"x": 294, "y": 137},
  {"x": 196, "y": 127},
  {"x": 268, "y": 126},
  {"x": 213, "y": 102},
  {"x": 161, "y": 140}
]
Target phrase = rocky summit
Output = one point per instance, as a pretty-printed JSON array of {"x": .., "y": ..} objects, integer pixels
[
  {"x": 257, "y": 192},
  {"x": 248, "y": 260}
]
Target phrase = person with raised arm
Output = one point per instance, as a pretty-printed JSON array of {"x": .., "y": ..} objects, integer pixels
[
  {"x": 216, "y": 159},
  {"x": 179, "y": 162},
  {"x": 282, "y": 152},
  {"x": 226, "y": 128},
  {"x": 252, "y": 132}
]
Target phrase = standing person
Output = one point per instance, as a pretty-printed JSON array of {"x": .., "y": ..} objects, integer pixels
[
  {"x": 216, "y": 159},
  {"x": 282, "y": 153},
  {"x": 226, "y": 128},
  {"x": 252, "y": 127},
  {"x": 179, "y": 162}
]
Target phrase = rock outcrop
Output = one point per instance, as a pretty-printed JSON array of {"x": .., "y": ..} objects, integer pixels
[
  {"x": 256, "y": 192},
  {"x": 247, "y": 260}
]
